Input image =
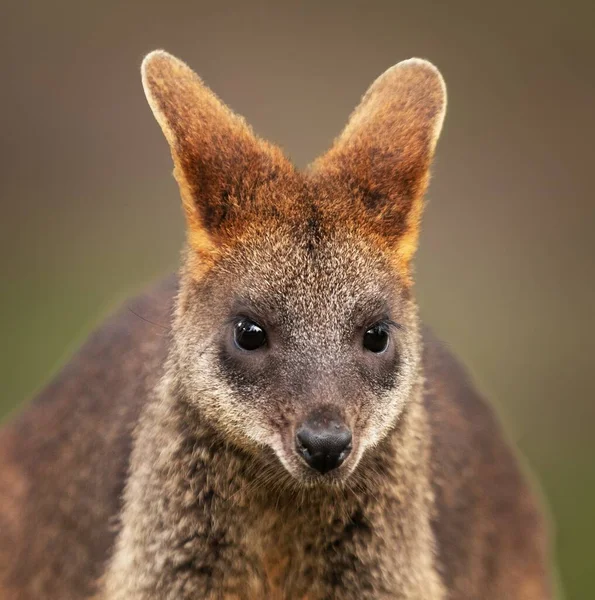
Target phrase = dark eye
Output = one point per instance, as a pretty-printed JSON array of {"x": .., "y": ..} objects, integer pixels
[
  {"x": 249, "y": 335},
  {"x": 376, "y": 338}
]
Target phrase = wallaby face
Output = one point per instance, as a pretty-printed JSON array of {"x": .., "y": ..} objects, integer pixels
[
  {"x": 296, "y": 333},
  {"x": 318, "y": 353}
]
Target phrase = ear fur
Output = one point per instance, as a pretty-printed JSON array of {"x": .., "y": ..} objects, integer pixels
[
  {"x": 384, "y": 154},
  {"x": 219, "y": 162}
]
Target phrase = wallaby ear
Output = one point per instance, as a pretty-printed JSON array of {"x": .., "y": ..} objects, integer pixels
[
  {"x": 219, "y": 163},
  {"x": 384, "y": 154}
]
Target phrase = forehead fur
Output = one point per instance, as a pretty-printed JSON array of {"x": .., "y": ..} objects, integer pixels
[
  {"x": 312, "y": 257},
  {"x": 317, "y": 241}
]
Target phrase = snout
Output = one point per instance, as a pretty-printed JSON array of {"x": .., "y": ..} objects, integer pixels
[{"x": 323, "y": 441}]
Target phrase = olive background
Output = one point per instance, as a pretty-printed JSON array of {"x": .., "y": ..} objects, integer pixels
[{"x": 89, "y": 212}]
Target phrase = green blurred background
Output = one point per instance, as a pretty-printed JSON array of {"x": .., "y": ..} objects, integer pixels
[{"x": 89, "y": 211}]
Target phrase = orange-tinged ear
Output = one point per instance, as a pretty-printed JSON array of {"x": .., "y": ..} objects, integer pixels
[
  {"x": 219, "y": 163},
  {"x": 384, "y": 154}
]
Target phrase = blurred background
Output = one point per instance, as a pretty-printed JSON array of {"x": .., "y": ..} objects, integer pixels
[{"x": 89, "y": 212}]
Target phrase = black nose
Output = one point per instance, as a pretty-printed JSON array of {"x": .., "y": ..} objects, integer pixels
[{"x": 323, "y": 443}]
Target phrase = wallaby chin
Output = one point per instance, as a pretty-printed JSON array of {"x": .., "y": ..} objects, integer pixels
[{"x": 296, "y": 434}]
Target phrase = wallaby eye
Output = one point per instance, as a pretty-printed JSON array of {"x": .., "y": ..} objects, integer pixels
[
  {"x": 249, "y": 335},
  {"x": 376, "y": 338}
]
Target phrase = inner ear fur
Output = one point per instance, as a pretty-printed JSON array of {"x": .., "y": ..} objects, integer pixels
[
  {"x": 220, "y": 165},
  {"x": 383, "y": 156}
]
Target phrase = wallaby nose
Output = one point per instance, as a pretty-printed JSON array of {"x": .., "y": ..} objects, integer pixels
[{"x": 323, "y": 443}]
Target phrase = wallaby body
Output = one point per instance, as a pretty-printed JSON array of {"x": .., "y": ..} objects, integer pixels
[{"x": 276, "y": 425}]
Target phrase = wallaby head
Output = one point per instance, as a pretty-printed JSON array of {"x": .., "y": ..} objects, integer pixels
[{"x": 296, "y": 335}]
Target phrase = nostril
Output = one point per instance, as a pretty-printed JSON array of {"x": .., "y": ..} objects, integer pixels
[{"x": 324, "y": 449}]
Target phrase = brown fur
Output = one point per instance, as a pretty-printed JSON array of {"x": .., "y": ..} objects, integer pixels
[{"x": 208, "y": 498}]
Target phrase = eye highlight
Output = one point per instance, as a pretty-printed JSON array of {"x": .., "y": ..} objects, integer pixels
[
  {"x": 376, "y": 338},
  {"x": 248, "y": 335}
]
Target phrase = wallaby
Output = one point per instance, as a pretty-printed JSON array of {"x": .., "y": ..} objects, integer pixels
[{"x": 277, "y": 424}]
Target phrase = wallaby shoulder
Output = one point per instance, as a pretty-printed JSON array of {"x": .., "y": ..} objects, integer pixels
[
  {"x": 64, "y": 459},
  {"x": 488, "y": 523}
]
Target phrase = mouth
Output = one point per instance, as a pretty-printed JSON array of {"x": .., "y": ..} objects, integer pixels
[{"x": 330, "y": 479}]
